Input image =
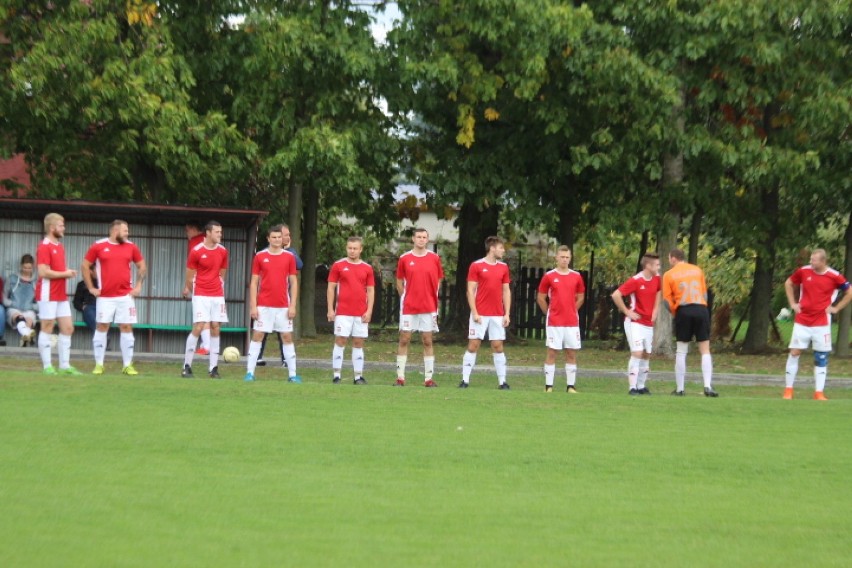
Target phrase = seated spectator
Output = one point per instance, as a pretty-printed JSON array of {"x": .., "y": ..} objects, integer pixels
[
  {"x": 85, "y": 302},
  {"x": 2, "y": 317},
  {"x": 19, "y": 299}
]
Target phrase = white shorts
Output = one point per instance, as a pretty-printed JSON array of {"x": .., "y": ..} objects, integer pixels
[
  {"x": 209, "y": 308},
  {"x": 54, "y": 310},
  {"x": 120, "y": 310},
  {"x": 562, "y": 338},
  {"x": 424, "y": 323},
  {"x": 639, "y": 337},
  {"x": 13, "y": 313},
  {"x": 803, "y": 336},
  {"x": 350, "y": 326},
  {"x": 492, "y": 324},
  {"x": 272, "y": 319}
]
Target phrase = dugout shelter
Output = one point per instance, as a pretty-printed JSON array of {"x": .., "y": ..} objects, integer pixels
[{"x": 158, "y": 230}]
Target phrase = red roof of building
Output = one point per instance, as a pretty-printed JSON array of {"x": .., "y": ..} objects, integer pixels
[{"x": 14, "y": 170}]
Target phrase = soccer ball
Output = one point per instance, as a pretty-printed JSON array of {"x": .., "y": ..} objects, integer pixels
[{"x": 231, "y": 354}]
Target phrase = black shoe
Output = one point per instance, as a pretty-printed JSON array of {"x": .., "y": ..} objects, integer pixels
[
  {"x": 187, "y": 372},
  {"x": 360, "y": 381},
  {"x": 336, "y": 380},
  {"x": 261, "y": 363},
  {"x": 644, "y": 390},
  {"x": 677, "y": 393},
  {"x": 708, "y": 391},
  {"x": 634, "y": 392},
  {"x": 571, "y": 389},
  {"x": 548, "y": 388},
  {"x": 503, "y": 387},
  {"x": 214, "y": 373},
  {"x": 463, "y": 385}
]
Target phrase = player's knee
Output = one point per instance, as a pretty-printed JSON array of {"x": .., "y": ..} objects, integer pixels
[
  {"x": 821, "y": 358},
  {"x": 682, "y": 347}
]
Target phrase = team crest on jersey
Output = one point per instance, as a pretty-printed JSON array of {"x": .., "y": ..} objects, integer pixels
[
  {"x": 556, "y": 280},
  {"x": 106, "y": 249},
  {"x": 203, "y": 256},
  {"x": 345, "y": 270},
  {"x": 642, "y": 287},
  {"x": 265, "y": 260},
  {"x": 411, "y": 263}
]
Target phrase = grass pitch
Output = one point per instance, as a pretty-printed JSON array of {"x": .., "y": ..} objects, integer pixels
[{"x": 157, "y": 470}]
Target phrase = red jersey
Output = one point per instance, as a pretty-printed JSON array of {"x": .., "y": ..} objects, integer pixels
[
  {"x": 51, "y": 289},
  {"x": 274, "y": 271},
  {"x": 643, "y": 296},
  {"x": 818, "y": 291},
  {"x": 489, "y": 280},
  {"x": 352, "y": 279},
  {"x": 112, "y": 265},
  {"x": 561, "y": 289},
  {"x": 422, "y": 275},
  {"x": 195, "y": 241},
  {"x": 207, "y": 264}
]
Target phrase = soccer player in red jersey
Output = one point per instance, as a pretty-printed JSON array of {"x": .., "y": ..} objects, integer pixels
[
  {"x": 490, "y": 299},
  {"x": 818, "y": 285},
  {"x": 352, "y": 281},
  {"x": 418, "y": 278},
  {"x": 115, "y": 292},
  {"x": 273, "y": 296},
  {"x": 205, "y": 280},
  {"x": 561, "y": 294},
  {"x": 52, "y": 295},
  {"x": 194, "y": 231},
  {"x": 643, "y": 289}
]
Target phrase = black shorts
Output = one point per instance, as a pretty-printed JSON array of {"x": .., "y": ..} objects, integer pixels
[{"x": 692, "y": 320}]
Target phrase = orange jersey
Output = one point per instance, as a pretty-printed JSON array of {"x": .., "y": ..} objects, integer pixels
[{"x": 684, "y": 284}]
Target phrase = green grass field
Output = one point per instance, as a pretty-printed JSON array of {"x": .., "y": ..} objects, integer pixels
[{"x": 160, "y": 471}]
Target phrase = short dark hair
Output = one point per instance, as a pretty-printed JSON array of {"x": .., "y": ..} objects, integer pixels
[
  {"x": 279, "y": 228},
  {"x": 210, "y": 224},
  {"x": 355, "y": 239},
  {"x": 118, "y": 222},
  {"x": 195, "y": 224},
  {"x": 677, "y": 254},
  {"x": 492, "y": 241},
  {"x": 648, "y": 257},
  {"x": 27, "y": 259},
  {"x": 419, "y": 230}
]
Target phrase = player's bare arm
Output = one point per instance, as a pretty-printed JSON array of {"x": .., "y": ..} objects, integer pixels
[
  {"x": 86, "y": 273},
  {"x": 847, "y": 297},
  {"x": 541, "y": 300},
  {"x": 579, "y": 300},
  {"x": 790, "y": 290},
  {"x": 618, "y": 300},
  {"x": 371, "y": 299},
  {"x": 507, "y": 304},
  {"x": 44, "y": 271},
  {"x": 657, "y": 303},
  {"x": 187, "y": 285},
  {"x": 253, "y": 283},
  {"x": 141, "y": 273},
  {"x": 471, "y": 301},
  {"x": 329, "y": 297},
  {"x": 400, "y": 286},
  {"x": 294, "y": 295}
]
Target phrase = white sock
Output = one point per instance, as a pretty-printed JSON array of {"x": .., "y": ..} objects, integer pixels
[
  {"x": 633, "y": 371},
  {"x": 205, "y": 339},
  {"x": 500, "y": 366},
  {"x": 428, "y": 368},
  {"x": 191, "y": 342},
  {"x": 44, "y": 348},
  {"x": 215, "y": 340},
  {"x": 644, "y": 369},
  {"x": 64, "y": 348},
  {"x": 337, "y": 353},
  {"x": 707, "y": 369},
  {"x": 549, "y": 373},
  {"x": 99, "y": 341},
  {"x": 680, "y": 370},
  {"x": 571, "y": 374},
  {"x": 358, "y": 361},
  {"x": 820, "y": 374},
  {"x": 792, "y": 370},
  {"x": 401, "y": 360},
  {"x": 468, "y": 363},
  {"x": 290, "y": 357},
  {"x": 127, "y": 342},
  {"x": 253, "y": 354}
]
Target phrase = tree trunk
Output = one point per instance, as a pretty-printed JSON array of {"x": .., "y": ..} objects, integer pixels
[
  {"x": 294, "y": 221},
  {"x": 764, "y": 273},
  {"x": 474, "y": 226},
  {"x": 695, "y": 234},
  {"x": 309, "y": 257},
  {"x": 845, "y": 317}
]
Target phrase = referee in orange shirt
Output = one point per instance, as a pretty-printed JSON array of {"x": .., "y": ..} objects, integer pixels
[{"x": 685, "y": 294}]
